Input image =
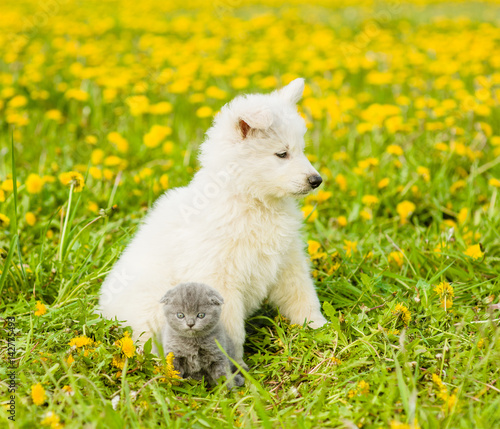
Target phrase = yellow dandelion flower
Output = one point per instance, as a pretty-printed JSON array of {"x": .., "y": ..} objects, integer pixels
[
  {"x": 310, "y": 213},
  {"x": 341, "y": 181},
  {"x": 54, "y": 115},
  {"x": 342, "y": 221},
  {"x": 424, "y": 172},
  {"x": 138, "y": 104},
  {"x": 8, "y": 185},
  {"x": 120, "y": 142},
  {"x": 440, "y": 247},
  {"x": 459, "y": 184},
  {"x": 217, "y": 93},
  {"x": 68, "y": 391},
  {"x": 164, "y": 181},
  {"x": 118, "y": 362},
  {"x": 170, "y": 368},
  {"x": 394, "y": 424},
  {"x": 475, "y": 252},
  {"x": 240, "y": 82},
  {"x": 444, "y": 288},
  {"x": 462, "y": 215},
  {"x": 30, "y": 218},
  {"x": 383, "y": 183},
  {"x": 18, "y": 101},
  {"x": 70, "y": 359},
  {"x": 4, "y": 221},
  {"x": 76, "y": 94},
  {"x": 108, "y": 174},
  {"x": 394, "y": 149},
  {"x": 405, "y": 210},
  {"x": 494, "y": 182},
  {"x": 80, "y": 341},
  {"x": 350, "y": 247},
  {"x": 446, "y": 294},
  {"x": 450, "y": 402},
  {"x": 73, "y": 178},
  {"x": 90, "y": 139},
  {"x": 93, "y": 206},
  {"x": 161, "y": 108},
  {"x": 40, "y": 309},
  {"x": 323, "y": 196},
  {"x": 366, "y": 214},
  {"x": 364, "y": 127},
  {"x": 52, "y": 420},
  {"x": 402, "y": 311},
  {"x": 335, "y": 360},
  {"x": 156, "y": 135},
  {"x": 34, "y": 184},
  {"x": 114, "y": 161},
  {"x": 95, "y": 172},
  {"x": 127, "y": 345},
  {"x": 368, "y": 162},
  {"x": 363, "y": 388},
  {"x": 38, "y": 394},
  {"x": 204, "y": 112},
  {"x": 168, "y": 147},
  {"x": 97, "y": 156},
  {"x": 313, "y": 246},
  {"x": 397, "y": 258},
  {"x": 369, "y": 200}
]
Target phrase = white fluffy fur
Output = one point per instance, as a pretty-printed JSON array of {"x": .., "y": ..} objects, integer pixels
[{"x": 235, "y": 227}]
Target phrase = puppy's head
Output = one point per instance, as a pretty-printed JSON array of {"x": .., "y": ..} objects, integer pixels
[{"x": 262, "y": 138}]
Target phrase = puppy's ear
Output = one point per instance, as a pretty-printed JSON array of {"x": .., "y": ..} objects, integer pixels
[
  {"x": 244, "y": 128},
  {"x": 259, "y": 119},
  {"x": 293, "y": 91},
  {"x": 216, "y": 298}
]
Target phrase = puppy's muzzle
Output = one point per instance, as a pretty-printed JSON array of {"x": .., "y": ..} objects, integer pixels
[{"x": 315, "y": 181}]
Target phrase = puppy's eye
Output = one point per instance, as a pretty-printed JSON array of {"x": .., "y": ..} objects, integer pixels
[
  {"x": 180, "y": 315},
  {"x": 281, "y": 154},
  {"x": 201, "y": 315}
]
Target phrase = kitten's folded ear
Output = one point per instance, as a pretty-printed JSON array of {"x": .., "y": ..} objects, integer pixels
[
  {"x": 216, "y": 298},
  {"x": 166, "y": 298}
]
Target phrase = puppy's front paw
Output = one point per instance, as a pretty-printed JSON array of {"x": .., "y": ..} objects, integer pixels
[{"x": 318, "y": 322}]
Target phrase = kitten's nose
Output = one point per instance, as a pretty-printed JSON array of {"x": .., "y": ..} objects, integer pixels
[
  {"x": 190, "y": 323},
  {"x": 315, "y": 181}
]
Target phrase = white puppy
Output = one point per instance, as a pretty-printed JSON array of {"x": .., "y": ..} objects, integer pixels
[{"x": 235, "y": 227}]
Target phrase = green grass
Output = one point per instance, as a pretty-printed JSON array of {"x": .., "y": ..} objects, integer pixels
[{"x": 369, "y": 367}]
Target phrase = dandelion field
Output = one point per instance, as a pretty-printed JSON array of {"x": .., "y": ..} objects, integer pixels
[{"x": 103, "y": 105}]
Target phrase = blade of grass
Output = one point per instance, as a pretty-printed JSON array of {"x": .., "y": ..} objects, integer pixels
[
  {"x": 6, "y": 265},
  {"x": 15, "y": 224}
]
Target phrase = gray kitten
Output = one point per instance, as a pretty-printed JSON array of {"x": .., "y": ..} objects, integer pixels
[{"x": 193, "y": 324}]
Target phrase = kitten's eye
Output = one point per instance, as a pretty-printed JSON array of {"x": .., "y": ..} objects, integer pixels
[
  {"x": 180, "y": 315},
  {"x": 281, "y": 155},
  {"x": 201, "y": 315}
]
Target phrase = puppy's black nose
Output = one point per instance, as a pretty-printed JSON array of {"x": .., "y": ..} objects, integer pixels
[{"x": 315, "y": 181}]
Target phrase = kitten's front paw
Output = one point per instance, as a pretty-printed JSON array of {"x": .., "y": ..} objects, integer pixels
[
  {"x": 243, "y": 364},
  {"x": 238, "y": 380}
]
